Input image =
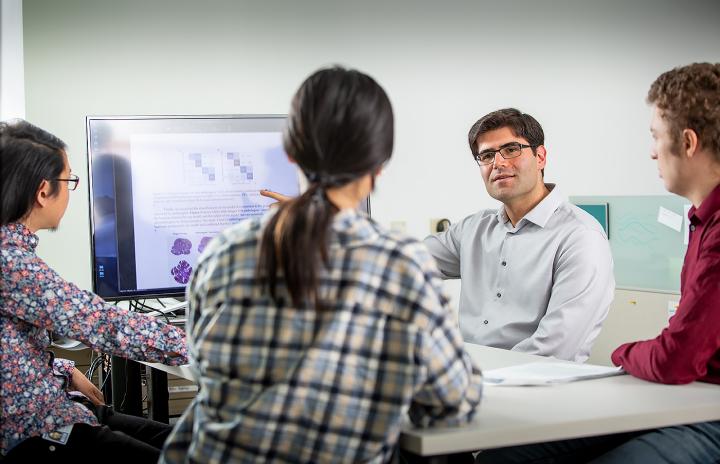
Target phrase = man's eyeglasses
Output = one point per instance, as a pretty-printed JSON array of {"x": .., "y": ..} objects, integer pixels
[
  {"x": 508, "y": 151},
  {"x": 73, "y": 181}
]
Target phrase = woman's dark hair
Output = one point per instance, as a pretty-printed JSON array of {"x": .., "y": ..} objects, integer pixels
[
  {"x": 340, "y": 128},
  {"x": 28, "y": 155}
]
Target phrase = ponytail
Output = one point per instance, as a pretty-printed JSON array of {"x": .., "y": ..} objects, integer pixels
[
  {"x": 294, "y": 246},
  {"x": 340, "y": 128}
]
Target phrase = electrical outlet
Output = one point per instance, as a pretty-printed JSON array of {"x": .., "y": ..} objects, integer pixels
[{"x": 439, "y": 225}]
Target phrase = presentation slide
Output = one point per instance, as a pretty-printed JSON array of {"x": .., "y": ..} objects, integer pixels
[{"x": 186, "y": 188}]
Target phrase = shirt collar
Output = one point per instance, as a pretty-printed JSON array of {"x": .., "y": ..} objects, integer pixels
[
  {"x": 542, "y": 212},
  {"x": 352, "y": 227},
  {"x": 708, "y": 207},
  {"x": 19, "y": 235}
]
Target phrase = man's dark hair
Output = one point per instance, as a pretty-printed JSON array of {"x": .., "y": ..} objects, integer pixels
[
  {"x": 28, "y": 155},
  {"x": 688, "y": 97},
  {"x": 340, "y": 128},
  {"x": 521, "y": 124}
]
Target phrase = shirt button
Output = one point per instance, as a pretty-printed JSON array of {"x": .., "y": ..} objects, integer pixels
[
  {"x": 498, "y": 294},
  {"x": 485, "y": 321},
  {"x": 504, "y": 263},
  {"x": 692, "y": 227}
]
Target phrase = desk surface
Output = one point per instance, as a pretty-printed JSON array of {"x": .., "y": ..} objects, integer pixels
[{"x": 520, "y": 415}]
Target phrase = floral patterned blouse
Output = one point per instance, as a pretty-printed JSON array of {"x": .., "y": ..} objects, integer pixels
[{"x": 34, "y": 301}]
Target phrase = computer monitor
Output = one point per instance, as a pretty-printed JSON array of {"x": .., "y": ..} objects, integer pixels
[{"x": 162, "y": 186}]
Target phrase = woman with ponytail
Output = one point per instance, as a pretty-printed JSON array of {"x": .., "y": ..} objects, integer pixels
[{"x": 315, "y": 330}]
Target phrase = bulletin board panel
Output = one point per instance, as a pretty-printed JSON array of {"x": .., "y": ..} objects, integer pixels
[{"x": 648, "y": 255}]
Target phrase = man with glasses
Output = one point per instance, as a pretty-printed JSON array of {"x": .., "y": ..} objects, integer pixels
[
  {"x": 537, "y": 273},
  {"x": 685, "y": 129}
]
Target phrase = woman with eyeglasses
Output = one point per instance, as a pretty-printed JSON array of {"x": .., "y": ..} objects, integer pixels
[
  {"x": 317, "y": 331},
  {"x": 40, "y": 419}
]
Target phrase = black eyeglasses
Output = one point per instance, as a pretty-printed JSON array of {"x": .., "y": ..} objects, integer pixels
[
  {"x": 73, "y": 181},
  {"x": 508, "y": 151}
]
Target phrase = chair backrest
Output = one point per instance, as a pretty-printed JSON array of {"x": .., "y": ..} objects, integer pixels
[{"x": 634, "y": 315}]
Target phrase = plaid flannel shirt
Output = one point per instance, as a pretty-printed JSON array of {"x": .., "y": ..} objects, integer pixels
[{"x": 282, "y": 384}]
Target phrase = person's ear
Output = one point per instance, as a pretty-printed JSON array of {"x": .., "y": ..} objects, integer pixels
[
  {"x": 291, "y": 159},
  {"x": 43, "y": 193},
  {"x": 689, "y": 142},
  {"x": 541, "y": 156}
]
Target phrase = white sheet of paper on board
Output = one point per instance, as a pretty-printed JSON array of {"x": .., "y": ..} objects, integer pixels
[
  {"x": 686, "y": 231},
  {"x": 670, "y": 219}
]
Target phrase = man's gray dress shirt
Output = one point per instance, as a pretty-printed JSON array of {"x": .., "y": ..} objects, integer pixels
[{"x": 542, "y": 287}]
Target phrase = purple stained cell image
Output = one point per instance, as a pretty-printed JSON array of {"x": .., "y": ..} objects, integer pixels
[
  {"x": 181, "y": 272},
  {"x": 181, "y": 246},
  {"x": 203, "y": 243}
]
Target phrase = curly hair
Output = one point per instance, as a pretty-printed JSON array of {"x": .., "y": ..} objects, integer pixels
[{"x": 688, "y": 97}]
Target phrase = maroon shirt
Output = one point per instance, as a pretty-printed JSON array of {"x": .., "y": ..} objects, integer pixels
[{"x": 689, "y": 348}]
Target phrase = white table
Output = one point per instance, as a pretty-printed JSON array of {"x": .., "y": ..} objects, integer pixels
[{"x": 521, "y": 415}]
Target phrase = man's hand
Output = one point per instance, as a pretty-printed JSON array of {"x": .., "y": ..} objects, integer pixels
[
  {"x": 80, "y": 383},
  {"x": 279, "y": 197}
]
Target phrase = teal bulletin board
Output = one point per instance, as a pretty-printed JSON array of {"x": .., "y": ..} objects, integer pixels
[
  {"x": 599, "y": 211},
  {"x": 647, "y": 254}
]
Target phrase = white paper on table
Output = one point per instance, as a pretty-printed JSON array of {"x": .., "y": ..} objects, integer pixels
[
  {"x": 546, "y": 373},
  {"x": 670, "y": 219}
]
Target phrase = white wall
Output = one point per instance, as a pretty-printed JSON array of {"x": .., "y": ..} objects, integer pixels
[
  {"x": 12, "y": 80},
  {"x": 581, "y": 67}
]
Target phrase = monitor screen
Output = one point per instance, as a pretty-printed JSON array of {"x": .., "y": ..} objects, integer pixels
[{"x": 162, "y": 187}]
